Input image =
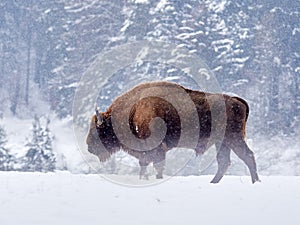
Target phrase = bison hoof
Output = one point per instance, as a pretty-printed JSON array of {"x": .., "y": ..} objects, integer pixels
[
  {"x": 159, "y": 176},
  {"x": 215, "y": 181},
  {"x": 256, "y": 180},
  {"x": 144, "y": 177}
]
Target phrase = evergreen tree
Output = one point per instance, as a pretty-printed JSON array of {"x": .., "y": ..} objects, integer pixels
[
  {"x": 6, "y": 159},
  {"x": 40, "y": 156}
]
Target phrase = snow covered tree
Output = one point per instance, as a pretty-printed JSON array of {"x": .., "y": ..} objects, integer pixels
[
  {"x": 39, "y": 156},
  {"x": 6, "y": 159}
]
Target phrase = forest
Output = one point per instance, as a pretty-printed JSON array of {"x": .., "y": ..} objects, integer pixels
[{"x": 251, "y": 47}]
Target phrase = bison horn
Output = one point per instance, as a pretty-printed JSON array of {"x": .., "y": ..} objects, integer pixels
[{"x": 99, "y": 117}]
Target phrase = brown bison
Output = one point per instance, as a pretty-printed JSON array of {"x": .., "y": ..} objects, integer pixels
[{"x": 155, "y": 117}]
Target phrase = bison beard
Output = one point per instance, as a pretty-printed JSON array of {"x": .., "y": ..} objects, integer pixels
[{"x": 103, "y": 142}]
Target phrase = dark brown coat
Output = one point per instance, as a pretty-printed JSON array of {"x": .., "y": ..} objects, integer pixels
[{"x": 131, "y": 121}]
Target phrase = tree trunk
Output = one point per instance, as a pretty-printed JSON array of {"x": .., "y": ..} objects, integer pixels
[
  {"x": 274, "y": 95},
  {"x": 297, "y": 96},
  {"x": 16, "y": 95},
  {"x": 28, "y": 67}
]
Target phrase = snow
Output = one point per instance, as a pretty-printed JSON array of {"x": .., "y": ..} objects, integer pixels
[
  {"x": 160, "y": 6},
  {"x": 295, "y": 31},
  {"x": 141, "y": 1},
  {"x": 184, "y": 36},
  {"x": 171, "y": 78},
  {"x": 222, "y": 44},
  {"x": 47, "y": 11},
  {"x": 218, "y": 7},
  {"x": 64, "y": 198},
  {"x": 17, "y": 133},
  {"x": 126, "y": 24},
  {"x": 240, "y": 60}
]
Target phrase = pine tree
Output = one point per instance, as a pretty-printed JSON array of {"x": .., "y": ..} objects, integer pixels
[
  {"x": 40, "y": 156},
  {"x": 6, "y": 159},
  {"x": 49, "y": 164}
]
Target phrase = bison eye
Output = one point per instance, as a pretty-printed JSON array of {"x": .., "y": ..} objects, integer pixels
[
  {"x": 98, "y": 126},
  {"x": 101, "y": 125}
]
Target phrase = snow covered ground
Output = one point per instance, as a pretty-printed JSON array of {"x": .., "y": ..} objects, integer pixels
[{"x": 64, "y": 198}]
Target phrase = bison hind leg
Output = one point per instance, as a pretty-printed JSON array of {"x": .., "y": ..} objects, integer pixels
[
  {"x": 223, "y": 159},
  {"x": 159, "y": 161},
  {"x": 241, "y": 149},
  {"x": 159, "y": 167}
]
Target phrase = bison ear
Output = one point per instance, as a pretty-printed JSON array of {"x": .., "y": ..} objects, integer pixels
[{"x": 99, "y": 117}]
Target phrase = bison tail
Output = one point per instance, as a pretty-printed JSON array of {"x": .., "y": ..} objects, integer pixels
[
  {"x": 247, "y": 114},
  {"x": 246, "y": 104}
]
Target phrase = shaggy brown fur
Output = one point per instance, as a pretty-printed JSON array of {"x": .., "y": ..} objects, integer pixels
[{"x": 145, "y": 102}]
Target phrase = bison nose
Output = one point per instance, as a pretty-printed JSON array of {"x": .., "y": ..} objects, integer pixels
[{"x": 91, "y": 149}]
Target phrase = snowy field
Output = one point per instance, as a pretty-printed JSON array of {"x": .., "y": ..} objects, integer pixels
[{"x": 63, "y": 198}]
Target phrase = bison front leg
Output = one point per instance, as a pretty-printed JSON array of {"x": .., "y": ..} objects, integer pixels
[
  {"x": 143, "y": 170},
  {"x": 241, "y": 149},
  {"x": 223, "y": 159}
]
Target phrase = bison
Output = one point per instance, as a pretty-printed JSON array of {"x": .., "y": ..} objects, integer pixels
[{"x": 161, "y": 112}]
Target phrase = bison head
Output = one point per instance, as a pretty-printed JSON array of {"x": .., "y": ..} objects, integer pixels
[{"x": 101, "y": 139}]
